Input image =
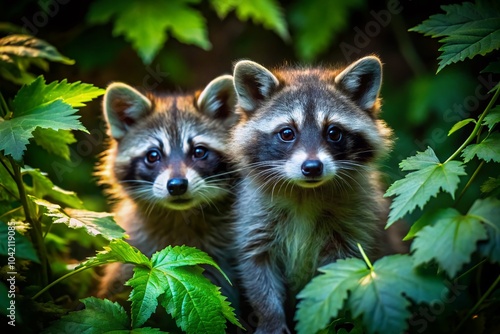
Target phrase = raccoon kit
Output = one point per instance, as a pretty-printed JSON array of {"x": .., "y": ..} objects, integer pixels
[
  {"x": 306, "y": 147},
  {"x": 167, "y": 171}
]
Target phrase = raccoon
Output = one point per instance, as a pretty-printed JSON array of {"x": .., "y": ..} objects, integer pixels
[
  {"x": 167, "y": 171},
  {"x": 306, "y": 147}
]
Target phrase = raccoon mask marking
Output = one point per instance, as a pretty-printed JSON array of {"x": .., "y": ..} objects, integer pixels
[
  {"x": 169, "y": 150},
  {"x": 167, "y": 170},
  {"x": 306, "y": 147}
]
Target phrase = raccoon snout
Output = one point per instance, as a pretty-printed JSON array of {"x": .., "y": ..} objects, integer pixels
[
  {"x": 177, "y": 186},
  {"x": 312, "y": 168}
]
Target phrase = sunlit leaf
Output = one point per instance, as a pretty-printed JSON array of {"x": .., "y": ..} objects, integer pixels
[
  {"x": 457, "y": 126},
  {"x": 419, "y": 186},
  {"x": 379, "y": 296},
  {"x": 145, "y": 23}
]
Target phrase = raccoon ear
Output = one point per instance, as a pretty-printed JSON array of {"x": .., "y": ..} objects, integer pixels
[
  {"x": 218, "y": 99},
  {"x": 362, "y": 81},
  {"x": 123, "y": 106},
  {"x": 253, "y": 84}
]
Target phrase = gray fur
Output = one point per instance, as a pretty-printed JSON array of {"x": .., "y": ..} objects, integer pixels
[
  {"x": 285, "y": 227},
  {"x": 172, "y": 124}
]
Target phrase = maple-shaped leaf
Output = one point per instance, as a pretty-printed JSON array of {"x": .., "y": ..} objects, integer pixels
[
  {"x": 488, "y": 210},
  {"x": 191, "y": 299},
  {"x": 145, "y": 23},
  {"x": 98, "y": 316},
  {"x": 492, "y": 118},
  {"x": 488, "y": 149},
  {"x": 265, "y": 12},
  {"x": 449, "y": 241},
  {"x": 380, "y": 296},
  {"x": 429, "y": 177},
  {"x": 490, "y": 185},
  {"x": 468, "y": 29},
  {"x": 94, "y": 223},
  {"x": 38, "y": 105}
]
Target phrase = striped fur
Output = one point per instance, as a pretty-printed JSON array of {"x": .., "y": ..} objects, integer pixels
[
  {"x": 306, "y": 148},
  {"x": 167, "y": 172}
]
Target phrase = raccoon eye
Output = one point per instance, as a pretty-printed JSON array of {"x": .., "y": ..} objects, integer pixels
[
  {"x": 200, "y": 152},
  {"x": 287, "y": 134},
  {"x": 334, "y": 134},
  {"x": 153, "y": 156}
]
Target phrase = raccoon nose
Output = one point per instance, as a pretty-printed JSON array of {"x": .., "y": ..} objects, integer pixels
[
  {"x": 312, "y": 168},
  {"x": 177, "y": 186}
]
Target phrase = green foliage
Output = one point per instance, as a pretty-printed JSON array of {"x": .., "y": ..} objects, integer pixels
[
  {"x": 317, "y": 22},
  {"x": 18, "y": 52},
  {"x": 147, "y": 24},
  {"x": 42, "y": 106},
  {"x": 173, "y": 277},
  {"x": 378, "y": 294},
  {"x": 467, "y": 29},
  {"x": 418, "y": 187}
]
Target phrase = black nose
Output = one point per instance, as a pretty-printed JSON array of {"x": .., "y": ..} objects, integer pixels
[
  {"x": 312, "y": 168},
  {"x": 177, "y": 186}
]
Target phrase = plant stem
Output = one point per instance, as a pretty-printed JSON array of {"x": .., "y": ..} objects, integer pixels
[
  {"x": 479, "y": 302},
  {"x": 47, "y": 287},
  {"x": 7, "y": 168},
  {"x": 4, "y": 110},
  {"x": 476, "y": 172},
  {"x": 367, "y": 260},
  {"x": 477, "y": 127},
  {"x": 36, "y": 229}
]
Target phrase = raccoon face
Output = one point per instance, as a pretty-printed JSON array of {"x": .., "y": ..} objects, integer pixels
[
  {"x": 169, "y": 150},
  {"x": 308, "y": 126}
]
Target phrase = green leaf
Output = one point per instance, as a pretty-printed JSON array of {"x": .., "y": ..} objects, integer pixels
[
  {"x": 487, "y": 150},
  {"x": 379, "y": 296},
  {"x": 179, "y": 256},
  {"x": 457, "y": 126},
  {"x": 15, "y": 244},
  {"x": 94, "y": 223},
  {"x": 194, "y": 302},
  {"x": 117, "y": 251},
  {"x": 488, "y": 210},
  {"x": 265, "y": 12},
  {"x": 317, "y": 23},
  {"x": 450, "y": 241},
  {"x": 37, "y": 93},
  {"x": 38, "y": 105},
  {"x": 145, "y": 23},
  {"x": 31, "y": 47},
  {"x": 490, "y": 185},
  {"x": 43, "y": 188},
  {"x": 55, "y": 142},
  {"x": 419, "y": 186},
  {"x": 492, "y": 118},
  {"x": 8, "y": 187},
  {"x": 99, "y": 316},
  {"x": 324, "y": 297},
  {"x": 428, "y": 218},
  {"x": 468, "y": 30}
]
